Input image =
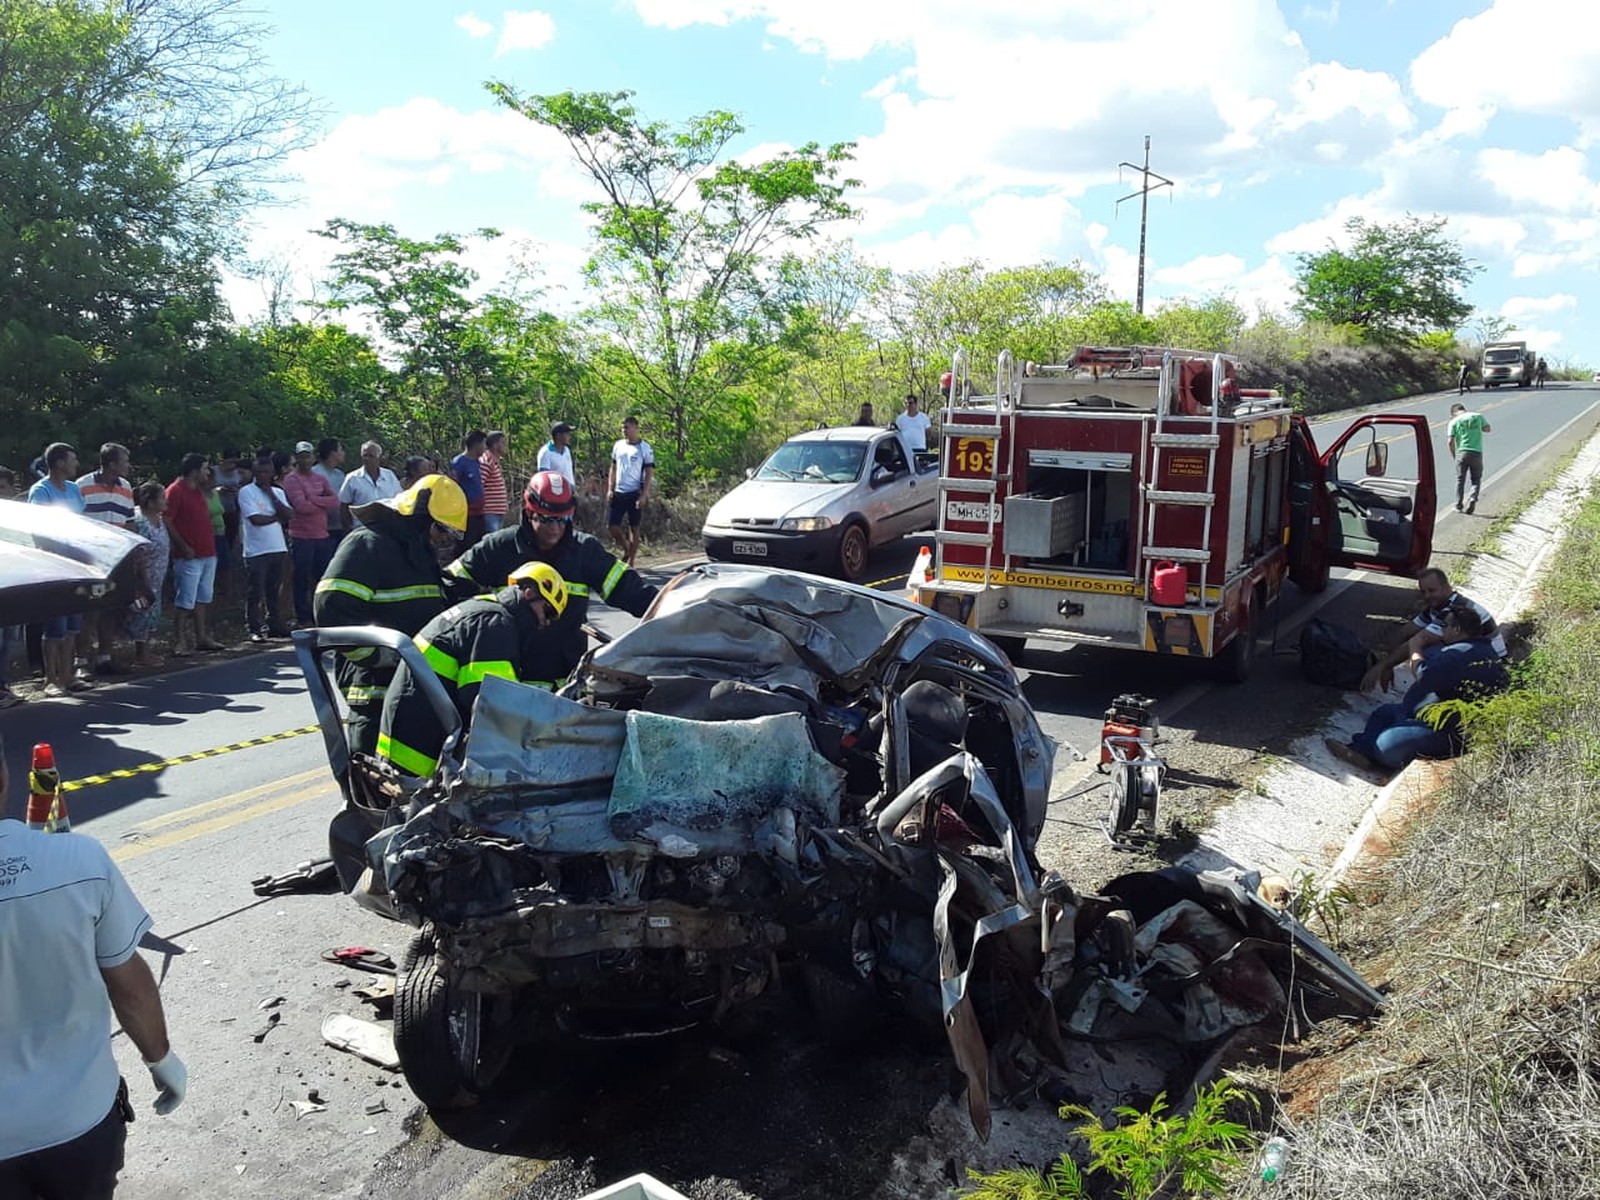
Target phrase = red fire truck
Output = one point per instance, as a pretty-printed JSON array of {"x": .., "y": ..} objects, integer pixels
[{"x": 1138, "y": 497}]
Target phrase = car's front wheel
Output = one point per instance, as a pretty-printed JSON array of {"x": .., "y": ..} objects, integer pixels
[
  {"x": 853, "y": 549},
  {"x": 450, "y": 1041}
]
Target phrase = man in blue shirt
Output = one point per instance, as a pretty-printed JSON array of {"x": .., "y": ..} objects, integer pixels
[
  {"x": 1466, "y": 666},
  {"x": 58, "y": 646},
  {"x": 466, "y": 469}
]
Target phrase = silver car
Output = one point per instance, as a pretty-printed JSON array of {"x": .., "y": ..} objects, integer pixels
[{"x": 822, "y": 500}]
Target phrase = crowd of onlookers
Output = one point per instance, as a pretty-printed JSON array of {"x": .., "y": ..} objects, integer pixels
[{"x": 257, "y": 528}]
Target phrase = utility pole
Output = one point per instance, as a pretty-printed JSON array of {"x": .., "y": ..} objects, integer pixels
[{"x": 1144, "y": 206}]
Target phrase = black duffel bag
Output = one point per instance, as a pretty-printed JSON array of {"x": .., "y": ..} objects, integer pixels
[{"x": 1332, "y": 655}]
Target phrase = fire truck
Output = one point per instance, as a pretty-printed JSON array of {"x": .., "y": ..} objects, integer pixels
[{"x": 1138, "y": 497}]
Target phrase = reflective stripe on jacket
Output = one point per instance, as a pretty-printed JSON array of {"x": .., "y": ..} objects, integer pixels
[
  {"x": 383, "y": 573},
  {"x": 590, "y": 571},
  {"x": 487, "y": 636}
]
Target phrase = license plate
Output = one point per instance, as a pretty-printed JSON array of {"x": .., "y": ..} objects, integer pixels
[{"x": 752, "y": 549}]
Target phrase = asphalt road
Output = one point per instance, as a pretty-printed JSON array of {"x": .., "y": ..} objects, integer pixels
[{"x": 191, "y": 835}]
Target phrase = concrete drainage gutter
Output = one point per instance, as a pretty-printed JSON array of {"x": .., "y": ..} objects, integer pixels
[{"x": 1314, "y": 815}]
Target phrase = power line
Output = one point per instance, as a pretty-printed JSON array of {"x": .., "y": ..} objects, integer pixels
[{"x": 1144, "y": 206}]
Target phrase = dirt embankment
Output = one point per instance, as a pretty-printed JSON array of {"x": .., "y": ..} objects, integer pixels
[{"x": 1482, "y": 921}]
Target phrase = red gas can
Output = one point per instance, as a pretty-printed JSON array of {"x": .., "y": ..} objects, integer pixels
[{"x": 1169, "y": 585}]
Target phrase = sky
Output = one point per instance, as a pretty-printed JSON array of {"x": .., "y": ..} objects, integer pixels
[{"x": 991, "y": 131}]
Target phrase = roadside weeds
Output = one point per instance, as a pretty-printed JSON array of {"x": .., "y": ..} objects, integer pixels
[{"x": 1480, "y": 1080}]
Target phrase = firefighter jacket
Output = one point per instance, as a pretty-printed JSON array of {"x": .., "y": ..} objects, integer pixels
[
  {"x": 383, "y": 573},
  {"x": 487, "y": 635},
  {"x": 583, "y": 562}
]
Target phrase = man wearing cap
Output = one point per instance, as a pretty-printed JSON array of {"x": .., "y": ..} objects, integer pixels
[
  {"x": 386, "y": 572},
  {"x": 546, "y": 535},
  {"x": 504, "y": 634},
  {"x": 310, "y": 547},
  {"x": 69, "y": 960},
  {"x": 556, "y": 454}
]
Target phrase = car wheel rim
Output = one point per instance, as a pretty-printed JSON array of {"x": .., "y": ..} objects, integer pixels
[{"x": 855, "y": 552}]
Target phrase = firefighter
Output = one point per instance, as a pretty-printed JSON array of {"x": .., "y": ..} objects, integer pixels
[
  {"x": 507, "y": 635},
  {"x": 386, "y": 572},
  {"x": 546, "y": 535}
]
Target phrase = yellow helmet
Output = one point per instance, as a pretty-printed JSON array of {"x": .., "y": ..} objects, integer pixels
[
  {"x": 447, "y": 503},
  {"x": 544, "y": 577}
]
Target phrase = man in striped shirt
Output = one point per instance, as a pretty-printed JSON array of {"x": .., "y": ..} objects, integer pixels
[
  {"x": 108, "y": 497},
  {"x": 495, "y": 497}
]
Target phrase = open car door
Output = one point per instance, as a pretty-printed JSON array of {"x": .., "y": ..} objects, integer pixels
[{"x": 1368, "y": 501}]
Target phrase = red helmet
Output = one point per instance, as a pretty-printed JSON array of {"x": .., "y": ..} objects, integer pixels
[{"x": 549, "y": 495}]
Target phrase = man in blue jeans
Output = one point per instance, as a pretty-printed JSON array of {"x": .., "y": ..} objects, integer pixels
[
  {"x": 59, "y": 646},
  {"x": 1466, "y": 666}
]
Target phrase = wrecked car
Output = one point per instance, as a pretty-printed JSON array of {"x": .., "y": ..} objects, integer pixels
[{"x": 772, "y": 776}]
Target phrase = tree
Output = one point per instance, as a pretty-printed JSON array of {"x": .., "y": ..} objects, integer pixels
[
  {"x": 682, "y": 237},
  {"x": 1213, "y": 324},
  {"x": 128, "y": 132},
  {"x": 416, "y": 292},
  {"x": 1394, "y": 282}
]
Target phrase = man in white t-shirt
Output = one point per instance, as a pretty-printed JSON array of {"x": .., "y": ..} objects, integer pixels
[
  {"x": 69, "y": 960},
  {"x": 913, "y": 426},
  {"x": 264, "y": 511},
  {"x": 373, "y": 481},
  {"x": 556, "y": 454},
  {"x": 633, "y": 470}
]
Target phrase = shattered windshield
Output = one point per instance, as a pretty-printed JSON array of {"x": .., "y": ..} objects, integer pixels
[{"x": 815, "y": 462}]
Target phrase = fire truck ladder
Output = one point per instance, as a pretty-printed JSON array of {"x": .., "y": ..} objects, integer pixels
[
  {"x": 1162, "y": 438},
  {"x": 953, "y": 428}
]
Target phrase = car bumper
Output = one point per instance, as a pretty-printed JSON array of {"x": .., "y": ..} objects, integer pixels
[{"x": 814, "y": 551}]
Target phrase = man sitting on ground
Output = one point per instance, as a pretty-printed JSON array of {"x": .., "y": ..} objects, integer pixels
[
  {"x": 1426, "y": 631},
  {"x": 1464, "y": 665}
]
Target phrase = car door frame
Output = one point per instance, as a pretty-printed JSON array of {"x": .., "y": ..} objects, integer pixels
[{"x": 1309, "y": 511}]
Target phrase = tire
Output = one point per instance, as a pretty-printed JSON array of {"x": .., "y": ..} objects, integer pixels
[
  {"x": 854, "y": 547},
  {"x": 432, "y": 1018},
  {"x": 1236, "y": 662}
]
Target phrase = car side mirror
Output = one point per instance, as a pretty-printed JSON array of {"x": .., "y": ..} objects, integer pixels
[
  {"x": 749, "y": 472},
  {"x": 1377, "y": 458},
  {"x": 881, "y": 475}
]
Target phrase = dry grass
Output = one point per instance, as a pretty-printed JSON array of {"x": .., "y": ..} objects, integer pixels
[{"x": 1482, "y": 1079}]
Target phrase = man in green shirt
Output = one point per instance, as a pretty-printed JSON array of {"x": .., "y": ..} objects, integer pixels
[{"x": 1464, "y": 438}]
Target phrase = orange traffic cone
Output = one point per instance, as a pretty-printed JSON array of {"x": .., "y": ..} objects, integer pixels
[
  {"x": 921, "y": 575},
  {"x": 47, "y": 807}
]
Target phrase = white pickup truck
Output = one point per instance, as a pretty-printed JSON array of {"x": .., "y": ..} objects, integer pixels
[{"x": 822, "y": 500}]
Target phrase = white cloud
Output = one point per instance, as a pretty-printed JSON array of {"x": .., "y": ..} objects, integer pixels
[
  {"x": 427, "y": 167},
  {"x": 1532, "y": 56},
  {"x": 1205, "y": 274},
  {"x": 531, "y": 30},
  {"x": 1525, "y": 309},
  {"x": 1557, "y": 180},
  {"x": 474, "y": 25}
]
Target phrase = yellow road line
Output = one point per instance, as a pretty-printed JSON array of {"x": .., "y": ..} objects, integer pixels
[
  {"x": 217, "y": 824},
  {"x": 73, "y": 785},
  {"x": 180, "y": 815}
]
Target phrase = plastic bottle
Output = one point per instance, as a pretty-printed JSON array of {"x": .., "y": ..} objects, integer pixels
[{"x": 1274, "y": 1157}]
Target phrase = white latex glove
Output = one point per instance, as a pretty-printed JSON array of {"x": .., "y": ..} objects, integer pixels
[{"x": 171, "y": 1077}]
